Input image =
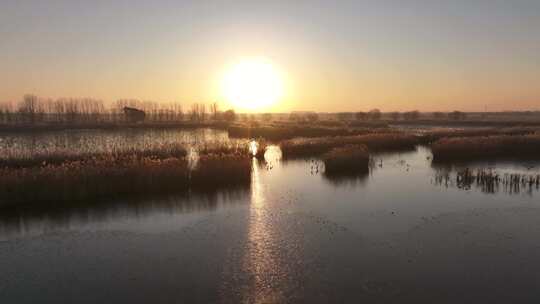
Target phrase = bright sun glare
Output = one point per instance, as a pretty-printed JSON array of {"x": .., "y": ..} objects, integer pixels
[{"x": 252, "y": 84}]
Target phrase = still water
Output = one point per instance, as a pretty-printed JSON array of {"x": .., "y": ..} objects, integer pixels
[{"x": 393, "y": 235}]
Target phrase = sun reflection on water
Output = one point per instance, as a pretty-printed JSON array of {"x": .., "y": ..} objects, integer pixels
[{"x": 253, "y": 147}]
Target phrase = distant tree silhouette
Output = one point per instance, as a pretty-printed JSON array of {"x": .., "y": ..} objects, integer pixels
[
  {"x": 344, "y": 116},
  {"x": 214, "y": 111},
  {"x": 411, "y": 115},
  {"x": 313, "y": 117},
  {"x": 375, "y": 114},
  {"x": 361, "y": 115},
  {"x": 28, "y": 107},
  {"x": 457, "y": 115},
  {"x": 229, "y": 115},
  {"x": 438, "y": 115},
  {"x": 395, "y": 115},
  {"x": 267, "y": 117}
]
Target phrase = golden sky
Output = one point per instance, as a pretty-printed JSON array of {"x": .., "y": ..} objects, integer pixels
[{"x": 348, "y": 56}]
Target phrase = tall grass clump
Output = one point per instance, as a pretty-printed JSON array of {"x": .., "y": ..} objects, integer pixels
[
  {"x": 485, "y": 148},
  {"x": 109, "y": 177},
  {"x": 384, "y": 142},
  {"x": 346, "y": 160},
  {"x": 60, "y": 156}
]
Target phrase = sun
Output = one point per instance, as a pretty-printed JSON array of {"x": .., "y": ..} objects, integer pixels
[{"x": 252, "y": 84}]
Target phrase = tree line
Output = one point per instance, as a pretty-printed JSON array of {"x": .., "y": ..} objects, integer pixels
[{"x": 32, "y": 109}]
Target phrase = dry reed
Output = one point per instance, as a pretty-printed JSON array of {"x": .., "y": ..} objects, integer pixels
[
  {"x": 346, "y": 160},
  {"x": 374, "y": 142},
  {"x": 490, "y": 147},
  {"x": 110, "y": 176}
]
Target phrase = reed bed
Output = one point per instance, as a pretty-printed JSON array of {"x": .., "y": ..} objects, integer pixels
[
  {"x": 489, "y": 181},
  {"x": 383, "y": 142},
  {"x": 288, "y": 132},
  {"x": 488, "y": 147},
  {"x": 128, "y": 175},
  {"x": 60, "y": 156},
  {"x": 437, "y": 134},
  {"x": 346, "y": 160}
]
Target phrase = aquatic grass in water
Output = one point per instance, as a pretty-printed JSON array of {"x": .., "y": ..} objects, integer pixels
[
  {"x": 374, "y": 142},
  {"x": 111, "y": 177},
  {"x": 490, "y": 147},
  {"x": 489, "y": 181},
  {"x": 431, "y": 136},
  {"x": 347, "y": 160}
]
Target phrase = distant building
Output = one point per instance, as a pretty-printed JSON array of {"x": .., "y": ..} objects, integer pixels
[{"x": 134, "y": 115}]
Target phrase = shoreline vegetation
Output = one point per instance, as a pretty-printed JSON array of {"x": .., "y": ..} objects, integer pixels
[
  {"x": 487, "y": 147},
  {"x": 108, "y": 176},
  {"x": 384, "y": 142},
  {"x": 163, "y": 167}
]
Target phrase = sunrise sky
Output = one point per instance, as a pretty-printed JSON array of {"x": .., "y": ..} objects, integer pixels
[{"x": 331, "y": 56}]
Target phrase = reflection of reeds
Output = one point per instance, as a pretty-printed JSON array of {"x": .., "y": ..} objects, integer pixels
[
  {"x": 478, "y": 148},
  {"x": 489, "y": 181},
  {"x": 346, "y": 160},
  {"x": 111, "y": 176},
  {"x": 374, "y": 142}
]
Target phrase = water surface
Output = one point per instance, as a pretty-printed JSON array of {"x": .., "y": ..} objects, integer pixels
[{"x": 393, "y": 235}]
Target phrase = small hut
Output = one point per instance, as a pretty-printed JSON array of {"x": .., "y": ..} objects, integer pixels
[{"x": 134, "y": 115}]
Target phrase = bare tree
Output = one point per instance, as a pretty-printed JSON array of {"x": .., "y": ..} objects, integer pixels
[
  {"x": 29, "y": 107},
  {"x": 214, "y": 111}
]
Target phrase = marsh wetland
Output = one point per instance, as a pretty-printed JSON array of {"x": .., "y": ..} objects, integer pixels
[{"x": 406, "y": 229}]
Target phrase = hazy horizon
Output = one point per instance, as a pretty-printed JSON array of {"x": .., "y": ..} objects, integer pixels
[{"x": 351, "y": 56}]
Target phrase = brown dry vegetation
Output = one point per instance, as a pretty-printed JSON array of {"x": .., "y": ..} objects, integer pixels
[
  {"x": 109, "y": 177},
  {"x": 58, "y": 156},
  {"x": 291, "y": 131},
  {"x": 487, "y": 147},
  {"x": 374, "y": 142},
  {"x": 434, "y": 135},
  {"x": 346, "y": 160}
]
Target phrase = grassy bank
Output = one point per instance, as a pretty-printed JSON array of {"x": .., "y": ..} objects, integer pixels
[
  {"x": 384, "y": 142},
  {"x": 487, "y": 147},
  {"x": 346, "y": 160},
  {"x": 111, "y": 177}
]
